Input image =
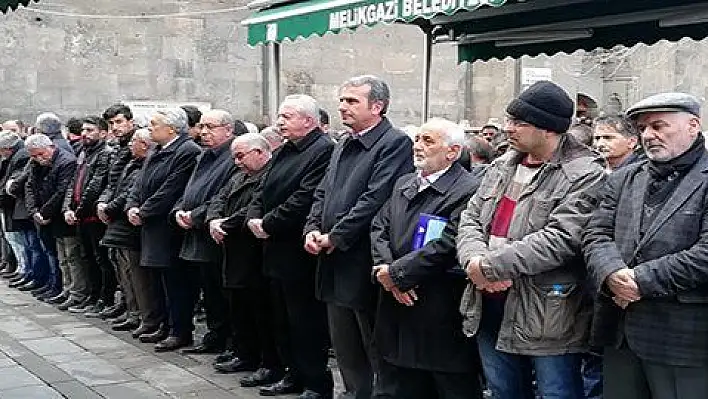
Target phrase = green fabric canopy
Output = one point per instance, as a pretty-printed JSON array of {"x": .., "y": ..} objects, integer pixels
[
  {"x": 10, "y": 5},
  {"x": 317, "y": 17}
]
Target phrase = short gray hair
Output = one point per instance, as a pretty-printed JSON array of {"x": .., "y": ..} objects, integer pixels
[
  {"x": 378, "y": 89},
  {"x": 38, "y": 141},
  {"x": 253, "y": 140},
  {"x": 304, "y": 104},
  {"x": 48, "y": 123},
  {"x": 176, "y": 118},
  {"x": 144, "y": 135},
  {"x": 451, "y": 132},
  {"x": 9, "y": 140},
  {"x": 224, "y": 117},
  {"x": 271, "y": 133}
]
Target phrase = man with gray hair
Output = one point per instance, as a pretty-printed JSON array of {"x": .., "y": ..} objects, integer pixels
[
  {"x": 250, "y": 310},
  {"x": 274, "y": 138},
  {"x": 275, "y": 216},
  {"x": 50, "y": 172},
  {"x": 213, "y": 169},
  {"x": 152, "y": 198},
  {"x": 16, "y": 220},
  {"x": 50, "y": 125},
  {"x": 359, "y": 179},
  {"x": 418, "y": 325}
]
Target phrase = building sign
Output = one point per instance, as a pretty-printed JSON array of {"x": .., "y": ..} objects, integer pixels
[
  {"x": 392, "y": 10},
  {"x": 530, "y": 76}
]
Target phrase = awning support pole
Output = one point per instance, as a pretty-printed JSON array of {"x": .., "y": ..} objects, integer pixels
[
  {"x": 273, "y": 81},
  {"x": 427, "y": 62}
]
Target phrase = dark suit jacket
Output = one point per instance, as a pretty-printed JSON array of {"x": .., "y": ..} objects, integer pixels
[
  {"x": 285, "y": 200},
  {"x": 429, "y": 334},
  {"x": 243, "y": 252},
  {"x": 669, "y": 325},
  {"x": 45, "y": 189},
  {"x": 96, "y": 161},
  {"x": 159, "y": 185},
  {"x": 359, "y": 179}
]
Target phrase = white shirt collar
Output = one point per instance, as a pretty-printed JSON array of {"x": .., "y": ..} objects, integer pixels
[
  {"x": 431, "y": 178},
  {"x": 170, "y": 142}
]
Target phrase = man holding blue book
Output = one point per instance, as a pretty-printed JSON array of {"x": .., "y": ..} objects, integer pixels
[{"x": 413, "y": 244}]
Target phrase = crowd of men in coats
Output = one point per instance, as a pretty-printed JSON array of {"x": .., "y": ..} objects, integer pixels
[{"x": 553, "y": 272}]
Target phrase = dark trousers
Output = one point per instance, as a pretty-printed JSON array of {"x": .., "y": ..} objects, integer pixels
[
  {"x": 48, "y": 244},
  {"x": 301, "y": 333},
  {"x": 179, "y": 283},
  {"x": 352, "y": 338},
  {"x": 149, "y": 293},
  {"x": 214, "y": 301},
  {"x": 626, "y": 376},
  {"x": 252, "y": 324},
  {"x": 37, "y": 264},
  {"x": 125, "y": 262},
  {"x": 101, "y": 271},
  {"x": 407, "y": 383}
]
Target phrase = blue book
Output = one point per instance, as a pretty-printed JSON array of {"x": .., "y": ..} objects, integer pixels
[{"x": 429, "y": 227}]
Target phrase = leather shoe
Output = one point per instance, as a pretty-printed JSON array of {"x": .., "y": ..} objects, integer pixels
[
  {"x": 120, "y": 319},
  {"x": 9, "y": 274},
  {"x": 18, "y": 281},
  {"x": 41, "y": 290},
  {"x": 154, "y": 337},
  {"x": 235, "y": 365},
  {"x": 47, "y": 295},
  {"x": 112, "y": 312},
  {"x": 143, "y": 329},
  {"x": 70, "y": 303},
  {"x": 224, "y": 356},
  {"x": 283, "y": 387},
  {"x": 310, "y": 394},
  {"x": 261, "y": 377},
  {"x": 31, "y": 285},
  {"x": 128, "y": 325},
  {"x": 202, "y": 348},
  {"x": 56, "y": 300},
  {"x": 172, "y": 343}
]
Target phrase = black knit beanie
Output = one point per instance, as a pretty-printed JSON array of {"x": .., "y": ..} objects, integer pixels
[{"x": 544, "y": 105}]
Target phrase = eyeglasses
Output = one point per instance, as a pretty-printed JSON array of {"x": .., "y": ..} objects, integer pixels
[
  {"x": 516, "y": 122},
  {"x": 240, "y": 155},
  {"x": 209, "y": 126}
]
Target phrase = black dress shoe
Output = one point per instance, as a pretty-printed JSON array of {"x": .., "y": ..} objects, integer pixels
[
  {"x": 224, "y": 356},
  {"x": 202, "y": 348},
  {"x": 29, "y": 286},
  {"x": 46, "y": 296},
  {"x": 283, "y": 387},
  {"x": 173, "y": 343},
  {"x": 143, "y": 329},
  {"x": 235, "y": 365},
  {"x": 9, "y": 274},
  {"x": 310, "y": 394},
  {"x": 18, "y": 281},
  {"x": 61, "y": 298},
  {"x": 128, "y": 325},
  {"x": 118, "y": 320},
  {"x": 112, "y": 312},
  {"x": 154, "y": 337},
  {"x": 41, "y": 290},
  {"x": 261, "y": 377}
]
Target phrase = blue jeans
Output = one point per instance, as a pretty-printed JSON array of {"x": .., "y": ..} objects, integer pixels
[
  {"x": 592, "y": 376},
  {"x": 37, "y": 266},
  {"x": 49, "y": 245},
  {"x": 17, "y": 243},
  {"x": 511, "y": 376}
]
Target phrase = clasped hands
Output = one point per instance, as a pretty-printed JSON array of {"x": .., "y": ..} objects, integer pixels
[
  {"x": 475, "y": 274},
  {"x": 623, "y": 285},
  {"x": 316, "y": 242},
  {"x": 383, "y": 276},
  {"x": 256, "y": 227}
]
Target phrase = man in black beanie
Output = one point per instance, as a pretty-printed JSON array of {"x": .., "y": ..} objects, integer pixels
[{"x": 519, "y": 239}]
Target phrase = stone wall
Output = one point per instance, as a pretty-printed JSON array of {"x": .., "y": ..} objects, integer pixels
[{"x": 79, "y": 65}]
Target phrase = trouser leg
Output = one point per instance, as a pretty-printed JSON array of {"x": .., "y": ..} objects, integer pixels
[
  {"x": 124, "y": 265},
  {"x": 178, "y": 283},
  {"x": 214, "y": 300},
  {"x": 16, "y": 240},
  {"x": 49, "y": 247},
  {"x": 149, "y": 292},
  {"x": 95, "y": 232}
]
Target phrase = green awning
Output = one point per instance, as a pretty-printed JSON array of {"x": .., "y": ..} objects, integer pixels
[
  {"x": 552, "y": 26},
  {"x": 10, "y": 5},
  {"x": 317, "y": 17}
]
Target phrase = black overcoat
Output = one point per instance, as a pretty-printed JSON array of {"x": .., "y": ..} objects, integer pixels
[
  {"x": 120, "y": 233},
  {"x": 16, "y": 215},
  {"x": 159, "y": 185},
  {"x": 429, "y": 334},
  {"x": 359, "y": 179},
  {"x": 242, "y": 251},
  {"x": 285, "y": 200},
  {"x": 45, "y": 190}
]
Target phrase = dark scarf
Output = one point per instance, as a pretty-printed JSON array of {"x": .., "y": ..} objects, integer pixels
[{"x": 664, "y": 177}]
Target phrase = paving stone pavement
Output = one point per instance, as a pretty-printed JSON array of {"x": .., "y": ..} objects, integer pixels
[{"x": 46, "y": 353}]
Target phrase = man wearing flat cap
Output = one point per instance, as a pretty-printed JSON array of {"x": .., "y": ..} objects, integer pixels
[
  {"x": 519, "y": 240},
  {"x": 646, "y": 247}
]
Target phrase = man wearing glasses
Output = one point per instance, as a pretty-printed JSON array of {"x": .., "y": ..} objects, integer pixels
[
  {"x": 519, "y": 240},
  {"x": 214, "y": 168}
]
